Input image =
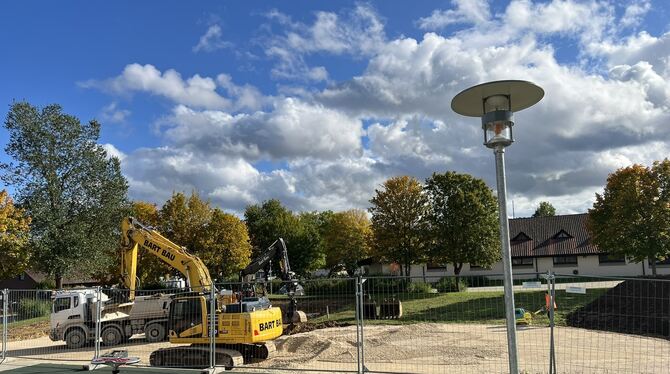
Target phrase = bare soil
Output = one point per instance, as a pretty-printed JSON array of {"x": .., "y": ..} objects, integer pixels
[{"x": 421, "y": 348}]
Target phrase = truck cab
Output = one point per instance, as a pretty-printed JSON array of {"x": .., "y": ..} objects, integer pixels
[{"x": 72, "y": 310}]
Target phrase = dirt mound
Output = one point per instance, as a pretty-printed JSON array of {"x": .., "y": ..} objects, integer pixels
[{"x": 639, "y": 307}]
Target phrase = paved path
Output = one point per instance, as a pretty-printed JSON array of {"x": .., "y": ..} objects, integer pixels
[{"x": 559, "y": 286}]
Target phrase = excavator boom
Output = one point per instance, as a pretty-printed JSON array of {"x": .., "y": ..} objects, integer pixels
[{"x": 136, "y": 235}]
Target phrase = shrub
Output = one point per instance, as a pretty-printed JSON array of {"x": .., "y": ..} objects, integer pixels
[
  {"x": 448, "y": 284},
  {"x": 419, "y": 287},
  {"x": 329, "y": 287},
  {"x": 31, "y": 308}
]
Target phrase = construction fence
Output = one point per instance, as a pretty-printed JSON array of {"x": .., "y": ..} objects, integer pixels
[{"x": 376, "y": 324}]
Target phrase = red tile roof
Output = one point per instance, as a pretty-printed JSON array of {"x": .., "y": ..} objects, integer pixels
[{"x": 542, "y": 232}]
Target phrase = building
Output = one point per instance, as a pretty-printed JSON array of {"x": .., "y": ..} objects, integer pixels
[
  {"x": 30, "y": 280},
  {"x": 538, "y": 244}
]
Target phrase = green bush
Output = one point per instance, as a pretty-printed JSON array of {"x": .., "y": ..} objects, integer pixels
[
  {"x": 419, "y": 287},
  {"x": 31, "y": 308},
  {"x": 329, "y": 287},
  {"x": 448, "y": 284}
]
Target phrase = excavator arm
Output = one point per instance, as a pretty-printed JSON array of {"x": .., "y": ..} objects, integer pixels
[
  {"x": 276, "y": 251},
  {"x": 135, "y": 235}
]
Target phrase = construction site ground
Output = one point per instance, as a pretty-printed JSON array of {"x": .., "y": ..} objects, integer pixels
[{"x": 414, "y": 348}]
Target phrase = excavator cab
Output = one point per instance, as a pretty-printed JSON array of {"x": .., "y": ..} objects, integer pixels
[{"x": 186, "y": 316}]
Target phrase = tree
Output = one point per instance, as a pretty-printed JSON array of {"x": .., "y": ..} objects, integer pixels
[
  {"x": 302, "y": 234},
  {"x": 184, "y": 221},
  {"x": 227, "y": 245},
  {"x": 346, "y": 239},
  {"x": 305, "y": 245},
  {"x": 545, "y": 209},
  {"x": 398, "y": 212},
  {"x": 632, "y": 216},
  {"x": 14, "y": 236},
  {"x": 462, "y": 221},
  {"x": 73, "y": 192}
]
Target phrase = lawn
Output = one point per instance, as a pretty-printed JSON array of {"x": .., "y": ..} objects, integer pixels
[{"x": 455, "y": 307}]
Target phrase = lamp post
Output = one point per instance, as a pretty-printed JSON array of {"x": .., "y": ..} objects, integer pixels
[{"x": 496, "y": 102}]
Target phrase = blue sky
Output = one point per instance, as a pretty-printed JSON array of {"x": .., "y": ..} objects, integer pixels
[{"x": 317, "y": 103}]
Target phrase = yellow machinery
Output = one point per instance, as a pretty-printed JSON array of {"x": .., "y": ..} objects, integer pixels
[{"x": 244, "y": 330}]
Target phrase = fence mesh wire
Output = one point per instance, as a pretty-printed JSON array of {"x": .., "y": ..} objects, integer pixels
[{"x": 427, "y": 324}]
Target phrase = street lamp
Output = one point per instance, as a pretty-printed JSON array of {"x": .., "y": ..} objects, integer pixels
[{"x": 495, "y": 103}]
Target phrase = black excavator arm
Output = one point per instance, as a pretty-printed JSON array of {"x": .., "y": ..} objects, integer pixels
[{"x": 276, "y": 252}]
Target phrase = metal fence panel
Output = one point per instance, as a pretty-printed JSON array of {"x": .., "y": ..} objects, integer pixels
[
  {"x": 327, "y": 342},
  {"x": 427, "y": 324},
  {"x": 612, "y": 325}
]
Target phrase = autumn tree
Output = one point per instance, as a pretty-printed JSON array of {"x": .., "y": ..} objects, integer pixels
[
  {"x": 632, "y": 216},
  {"x": 227, "y": 245},
  {"x": 346, "y": 239},
  {"x": 184, "y": 220},
  {"x": 70, "y": 187},
  {"x": 398, "y": 221},
  {"x": 462, "y": 221},
  {"x": 545, "y": 209},
  {"x": 14, "y": 235}
]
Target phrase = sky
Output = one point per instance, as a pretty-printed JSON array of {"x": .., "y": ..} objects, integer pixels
[{"x": 318, "y": 103}]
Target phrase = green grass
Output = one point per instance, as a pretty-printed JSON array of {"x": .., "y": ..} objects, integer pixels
[{"x": 472, "y": 307}]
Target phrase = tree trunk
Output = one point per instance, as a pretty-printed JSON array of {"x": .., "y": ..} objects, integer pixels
[
  {"x": 652, "y": 262},
  {"x": 58, "y": 279},
  {"x": 457, "y": 273}
]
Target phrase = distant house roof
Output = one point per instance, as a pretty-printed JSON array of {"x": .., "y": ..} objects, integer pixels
[
  {"x": 551, "y": 236},
  {"x": 40, "y": 277}
]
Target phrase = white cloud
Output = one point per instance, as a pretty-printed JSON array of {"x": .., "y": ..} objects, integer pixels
[
  {"x": 113, "y": 114},
  {"x": 196, "y": 91},
  {"x": 112, "y": 151},
  {"x": 292, "y": 129},
  {"x": 465, "y": 11},
  {"x": 357, "y": 33},
  {"x": 635, "y": 12},
  {"x": 212, "y": 40}
]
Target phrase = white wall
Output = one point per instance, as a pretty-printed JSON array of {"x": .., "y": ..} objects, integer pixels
[{"x": 586, "y": 266}]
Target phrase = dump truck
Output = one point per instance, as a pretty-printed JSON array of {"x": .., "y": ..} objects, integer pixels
[{"x": 74, "y": 317}]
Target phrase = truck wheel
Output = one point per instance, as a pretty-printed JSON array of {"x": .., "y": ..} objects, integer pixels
[
  {"x": 75, "y": 339},
  {"x": 154, "y": 333},
  {"x": 111, "y": 335}
]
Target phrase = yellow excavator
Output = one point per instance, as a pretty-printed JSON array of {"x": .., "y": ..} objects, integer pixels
[{"x": 242, "y": 331}]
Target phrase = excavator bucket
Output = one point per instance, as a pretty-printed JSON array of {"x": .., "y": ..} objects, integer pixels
[
  {"x": 390, "y": 309},
  {"x": 298, "y": 317}
]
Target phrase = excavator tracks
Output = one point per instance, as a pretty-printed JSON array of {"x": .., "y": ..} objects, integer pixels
[{"x": 196, "y": 356}]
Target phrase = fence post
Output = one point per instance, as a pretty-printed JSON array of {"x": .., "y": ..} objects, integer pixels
[
  {"x": 551, "y": 286},
  {"x": 5, "y": 328},
  {"x": 212, "y": 329},
  {"x": 362, "y": 308},
  {"x": 358, "y": 327},
  {"x": 98, "y": 318}
]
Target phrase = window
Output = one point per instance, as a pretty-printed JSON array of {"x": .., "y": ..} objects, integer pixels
[
  {"x": 565, "y": 260},
  {"x": 522, "y": 261},
  {"x": 22, "y": 276},
  {"x": 605, "y": 258},
  {"x": 478, "y": 267},
  {"x": 61, "y": 303},
  {"x": 521, "y": 237},
  {"x": 562, "y": 235},
  {"x": 435, "y": 266}
]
